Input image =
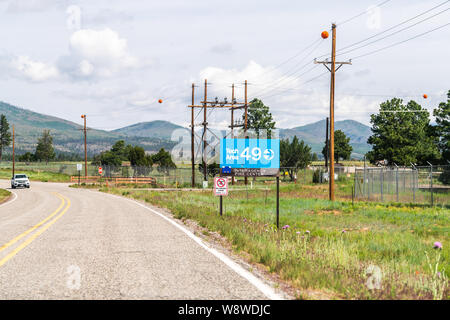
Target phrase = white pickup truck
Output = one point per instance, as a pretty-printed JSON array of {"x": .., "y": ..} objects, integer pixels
[{"x": 20, "y": 180}]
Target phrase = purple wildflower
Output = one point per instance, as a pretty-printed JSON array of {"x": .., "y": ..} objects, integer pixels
[
  {"x": 307, "y": 231},
  {"x": 344, "y": 231},
  {"x": 437, "y": 245},
  {"x": 298, "y": 232},
  {"x": 286, "y": 227},
  {"x": 245, "y": 220}
]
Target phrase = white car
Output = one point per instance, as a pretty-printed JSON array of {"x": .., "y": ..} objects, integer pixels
[{"x": 20, "y": 180}]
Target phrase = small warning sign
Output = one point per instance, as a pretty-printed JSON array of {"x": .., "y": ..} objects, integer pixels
[{"x": 221, "y": 186}]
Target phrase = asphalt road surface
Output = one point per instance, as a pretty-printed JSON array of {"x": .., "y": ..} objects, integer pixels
[{"x": 62, "y": 243}]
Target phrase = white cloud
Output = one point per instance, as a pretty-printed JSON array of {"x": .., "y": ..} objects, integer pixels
[
  {"x": 97, "y": 53},
  {"x": 17, "y": 6},
  {"x": 33, "y": 70}
]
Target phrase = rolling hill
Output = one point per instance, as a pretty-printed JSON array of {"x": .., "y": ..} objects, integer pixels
[
  {"x": 157, "y": 129},
  {"x": 314, "y": 135},
  {"x": 67, "y": 136}
]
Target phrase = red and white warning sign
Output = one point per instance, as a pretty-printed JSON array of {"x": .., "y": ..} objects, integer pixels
[
  {"x": 100, "y": 170},
  {"x": 221, "y": 186}
]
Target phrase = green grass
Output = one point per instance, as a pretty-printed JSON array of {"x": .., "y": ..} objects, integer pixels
[
  {"x": 4, "y": 195},
  {"x": 37, "y": 175},
  {"x": 314, "y": 253}
]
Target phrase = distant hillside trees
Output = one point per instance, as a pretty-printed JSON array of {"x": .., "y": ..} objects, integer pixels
[
  {"x": 44, "y": 148},
  {"x": 136, "y": 156},
  {"x": 212, "y": 169},
  {"x": 402, "y": 134},
  {"x": 163, "y": 160},
  {"x": 295, "y": 155},
  {"x": 342, "y": 147},
  {"x": 259, "y": 118},
  {"x": 5, "y": 135},
  {"x": 27, "y": 157}
]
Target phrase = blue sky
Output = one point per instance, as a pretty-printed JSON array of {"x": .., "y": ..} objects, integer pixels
[{"x": 114, "y": 59}]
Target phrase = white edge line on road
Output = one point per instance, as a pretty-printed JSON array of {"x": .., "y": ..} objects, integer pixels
[
  {"x": 10, "y": 201},
  {"x": 268, "y": 291}
]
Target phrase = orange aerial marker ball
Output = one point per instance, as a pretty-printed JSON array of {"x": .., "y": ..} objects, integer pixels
[
  {"x": 325, "y": 34},
  {"x": 160, "y": 101},
  {"x": 425, "y": 96}
]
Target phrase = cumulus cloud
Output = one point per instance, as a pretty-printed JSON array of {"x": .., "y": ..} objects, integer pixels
[
  {"x": 292, "y": 101},
  {"x": 35, "y": 71},
  {"x": 97, "y": 53}
]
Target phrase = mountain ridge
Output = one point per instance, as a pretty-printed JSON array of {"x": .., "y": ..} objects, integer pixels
[{"x": 151, "y": 135}]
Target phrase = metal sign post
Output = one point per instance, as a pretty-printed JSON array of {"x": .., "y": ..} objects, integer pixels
[
  {"x": 252, "y": 158},
  {"x": 220, "y": 190},
  {"x": 79, "y": 168}
]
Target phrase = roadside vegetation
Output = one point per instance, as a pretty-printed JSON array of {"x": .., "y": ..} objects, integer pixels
[
  {"x": 337, "y": 249},
  {"x": 4, "y": 195},
  {"x": 41, "y": 176}
]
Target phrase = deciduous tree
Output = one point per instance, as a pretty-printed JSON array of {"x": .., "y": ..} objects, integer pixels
[
  {"x": 295, "y": 155},
  {"x": 260, "y": 118},
  {"x": 402, "y": 134}
]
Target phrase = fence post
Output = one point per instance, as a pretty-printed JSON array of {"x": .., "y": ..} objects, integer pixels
[
  {"x": 396, "y": 182},
  {"x": 414, "y": 185},
  {"x": 431, "y": 183},
  {"x": 381, "y": 184}
]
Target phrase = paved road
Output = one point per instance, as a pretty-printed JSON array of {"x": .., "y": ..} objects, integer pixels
[{"x": 62, "y": 243}]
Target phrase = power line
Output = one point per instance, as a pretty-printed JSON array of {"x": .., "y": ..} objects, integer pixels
[
  {"x": 393, "y": 27},
  {"x": 291, "y": 58},
  {"x": 302, "y": 84},
  {"x": 401, "y": 42},
  {"x": 362, "y": 13},
  {"x": 394, "y": 33},
  {"x": 285, "y": 76}
]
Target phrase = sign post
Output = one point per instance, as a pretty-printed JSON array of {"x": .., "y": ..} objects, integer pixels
[
  {"x": 252, "y": 158},
  {"x": 220, "y": 190},
  {"x": 79, "y": 168}
]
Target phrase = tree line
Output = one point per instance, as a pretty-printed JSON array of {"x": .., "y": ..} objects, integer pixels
[
  {"x": 402, "y": 134},
  {"x": 136, "y": 156},
  {"x": 44, "y": 148}
]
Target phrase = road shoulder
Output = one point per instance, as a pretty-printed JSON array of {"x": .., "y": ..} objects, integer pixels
[
  {"x": 5, "y": 196},
  {"x": 219, "y": 243}
]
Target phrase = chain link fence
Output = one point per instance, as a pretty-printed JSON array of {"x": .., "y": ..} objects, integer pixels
[
  {"x": 418, "y": 185},
  {"x": 428, "y": 185}
]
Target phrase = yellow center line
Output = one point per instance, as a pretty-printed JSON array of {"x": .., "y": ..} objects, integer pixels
[
  {"x": 35, "y": 235},
  {"x": 13, "y": 241}
]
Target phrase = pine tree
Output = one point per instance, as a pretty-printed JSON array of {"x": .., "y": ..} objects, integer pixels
[
  {"x": 44, "y": 149},
  {"x": 5, "y": 135}
]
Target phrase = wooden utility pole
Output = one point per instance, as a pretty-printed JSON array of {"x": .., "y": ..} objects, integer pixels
[
  {"x": 85, "y": 148},
  {"x": 232, "y": 122},
  {"x": 232, "y": 111},
  {"x": 246, "y": 110},
  {"x": 333, "y": 70},
  {"x": 327, "y": 143},
  {"x": 246, "y": 119},
  {"x": 205, "y": 125},
  {"x": 193, "y": 137},
  {"x": 13, "y": 152},
  {"x": 215, "y": 104}
]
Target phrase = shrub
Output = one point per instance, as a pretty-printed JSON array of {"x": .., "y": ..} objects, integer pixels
[
  {"x": 445, "y": 177},
  {"x": 316, "y": 176}
]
